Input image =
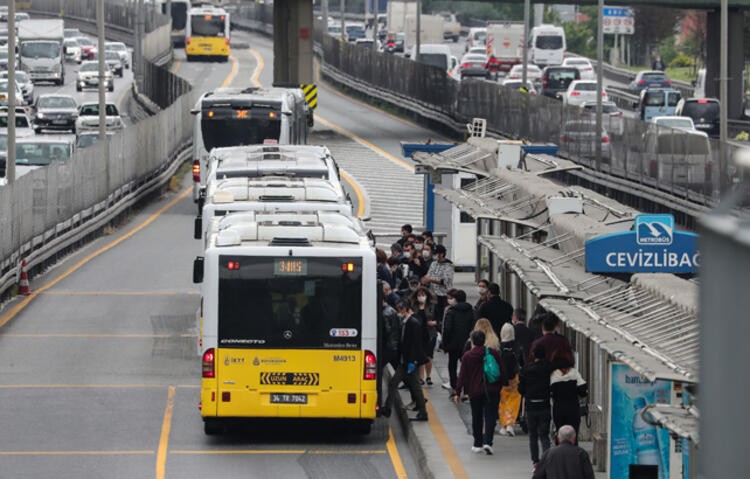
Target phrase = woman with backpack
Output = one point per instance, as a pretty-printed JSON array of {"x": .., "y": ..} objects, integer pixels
[
  {"x": 510, "y": 398},
  {"x": 480, "y": 379}
]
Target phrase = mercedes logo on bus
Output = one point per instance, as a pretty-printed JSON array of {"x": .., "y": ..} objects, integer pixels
[{"x": 287, "y": 335}]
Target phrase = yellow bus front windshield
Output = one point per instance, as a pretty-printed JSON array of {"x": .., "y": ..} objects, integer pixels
[{"x": 207, "y": 25}]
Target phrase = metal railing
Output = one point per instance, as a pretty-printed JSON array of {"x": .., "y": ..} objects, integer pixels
[{"x": 49, "y": 209}]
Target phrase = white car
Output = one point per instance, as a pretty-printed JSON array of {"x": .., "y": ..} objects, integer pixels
[
  {"x": 120, "y": 49},
  {"x": 72, "y": 50},
  {"x": 583, "y": 65},
  {"x": 23, "y": 124},
  {"x": 88, "y": 117},
  {"x": 677, "y": 122},
  {"x": 88, "y": 77},
  {"x": 580, "y": 91},
  {"x": 24, "y": 83},
  {"x": 533, "y": 73},
  {"x": 4, "y": 94},
  {"x": 480, "y": 50}
]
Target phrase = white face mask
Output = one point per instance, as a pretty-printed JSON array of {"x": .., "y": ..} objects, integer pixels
[
  {"x": 426, "y": 254},
  {"x": 407, "y": 254},
  {"x": 482, "y": 289},
  {"x": 421, "y": 299},
  {"x": 418, "y": 246},
  {"x": 451, "y": 301}
]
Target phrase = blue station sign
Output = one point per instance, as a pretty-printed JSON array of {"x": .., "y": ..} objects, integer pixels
[{"x": 652, "y": 246}]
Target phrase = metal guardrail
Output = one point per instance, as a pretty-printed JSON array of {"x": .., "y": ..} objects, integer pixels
[{"x": 51, "y": 209}]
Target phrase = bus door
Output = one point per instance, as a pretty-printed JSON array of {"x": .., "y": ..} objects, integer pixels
[{"x": 290, "y": 338}]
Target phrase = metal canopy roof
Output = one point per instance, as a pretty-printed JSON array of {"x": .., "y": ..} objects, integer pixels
[
  {"x": 652, "y": 335},
  {"x": 680, "y": 420}
]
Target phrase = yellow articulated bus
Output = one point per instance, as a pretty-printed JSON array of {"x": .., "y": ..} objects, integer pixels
[
  {"x": 288, "y": 321},
  {"x": 207, "y": 34}
]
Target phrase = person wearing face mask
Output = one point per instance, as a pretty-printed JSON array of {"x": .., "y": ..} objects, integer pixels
[
  {"x": 457, "y": 326},
  {"x": 439, "y": 278},
  {"x": 423, "y": 304},
  {"x": 483, "y": 290}
]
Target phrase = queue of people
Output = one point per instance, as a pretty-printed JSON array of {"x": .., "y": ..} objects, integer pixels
[{"x": 536, "y": 385}]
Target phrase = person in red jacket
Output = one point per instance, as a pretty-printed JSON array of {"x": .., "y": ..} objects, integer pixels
[{"x": 483, "y": 397}]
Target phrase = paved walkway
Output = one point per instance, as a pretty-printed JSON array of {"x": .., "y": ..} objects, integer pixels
[{"x": 442, "y": 446}]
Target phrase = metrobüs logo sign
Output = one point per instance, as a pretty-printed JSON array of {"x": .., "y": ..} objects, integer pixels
[{"x": 652, "y": 246}]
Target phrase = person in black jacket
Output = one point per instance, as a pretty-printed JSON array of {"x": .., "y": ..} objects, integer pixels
[
  {"x": 566, "y": 460},
  {"x": 457, "y": 326},
  {"x": 411, "y": 356},
  {"x": 524, "y": 336},
  {"x": 535, "y": 388},
  {"x": 495, "y": 309},
  {"x": 567, "y": 387}
]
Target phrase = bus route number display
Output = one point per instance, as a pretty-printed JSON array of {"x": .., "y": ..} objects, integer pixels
[{"x": 289, "y": 267}]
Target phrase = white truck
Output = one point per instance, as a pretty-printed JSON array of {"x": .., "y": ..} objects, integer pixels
[
  {"x": 451, "y": 26},
  {"x": 431, "y": 30},
  {"x": 41, "y": 50},
  {"x": 505, "y": 44},
  {"x": 396, "y": 15}
]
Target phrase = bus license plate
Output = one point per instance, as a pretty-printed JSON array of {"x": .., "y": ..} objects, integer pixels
[{"x": 281, "y": 398}]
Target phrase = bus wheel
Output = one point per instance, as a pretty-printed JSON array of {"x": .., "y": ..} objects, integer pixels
[
  {"x": 211, "y": 427},
  {"x": 362, "y": 427}
]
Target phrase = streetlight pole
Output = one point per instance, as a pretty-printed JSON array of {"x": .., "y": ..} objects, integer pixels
[
  {"x": 102, "y": 68},
  {"x": 723, "y": 74},
  {"x": 526, "y": 14},
  {"x": 599, "y": 87},
  {"x": 10, "y": 163}
]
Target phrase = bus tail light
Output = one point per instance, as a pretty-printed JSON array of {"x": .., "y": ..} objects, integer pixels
[
  {"x": 226, "y": 41},
  {"x": 196, "y": 171},
  {"x": 371, "y": 366},
  {"x": 208, "y": 363},
  {"x": 187, "y": 41}
]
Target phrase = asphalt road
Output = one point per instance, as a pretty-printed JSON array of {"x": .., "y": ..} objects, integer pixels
[{"x": 99, "y": 371}]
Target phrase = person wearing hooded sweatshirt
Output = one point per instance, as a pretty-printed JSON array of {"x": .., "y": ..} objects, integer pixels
[
  {"x": 457, "y": 326},
  {"x": 510, "y": 398},
  {"x": 566, "y": 386}
]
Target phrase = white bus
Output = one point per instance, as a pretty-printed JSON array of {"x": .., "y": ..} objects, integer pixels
[
  {"x": 269, "y": 194},
  {"x": 547, "y": 45},
  {"x": 288, "y": 322},
  {"x": 252, "y": 116},
  {"x": 299, "y": 161}
]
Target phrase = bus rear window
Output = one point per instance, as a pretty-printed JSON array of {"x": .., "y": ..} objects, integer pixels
[
  {"x": 230, "y": 132},
  {"x": 207, "y": 25},
  {"x": 549, "y": 42},
  {"x": 290, "y": 302}
]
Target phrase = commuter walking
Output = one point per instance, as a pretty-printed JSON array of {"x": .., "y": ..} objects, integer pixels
[
  {"x": 510, "y": 398},
  {"x": 423, "y": 304},
  {"x": 524, "y": 336},
  {"x": 534, "y": 386},
  {"x": 410, "y": 358},
  {"x": 457, "y": 325},
  {"x": 567, "y": 387},
  {"x": 657, "y": 64},
  {"x": 490, "y": 338},
  {"x": 495, "y": 309},
  {"x": 554, "y": 342},
  {"x": 484, "y": 394},
  {"x": 440, "y": 278},
  {"x": 566, "y": 460}
]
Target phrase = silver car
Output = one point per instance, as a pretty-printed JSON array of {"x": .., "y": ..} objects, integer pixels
[
  {"x": 88, "y": 77},
  {"x": 120, "y": 49}
]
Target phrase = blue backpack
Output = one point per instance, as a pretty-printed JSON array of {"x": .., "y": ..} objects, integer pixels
[{"x": 491, "y": 368}]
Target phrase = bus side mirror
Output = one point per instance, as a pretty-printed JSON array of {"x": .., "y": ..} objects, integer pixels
[
  {"x": 198, "y": 227},
  {"x": 198, "y": 269}
]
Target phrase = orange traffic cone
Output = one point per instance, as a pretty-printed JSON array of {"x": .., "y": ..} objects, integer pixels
[{"x": 23, "y": 285}]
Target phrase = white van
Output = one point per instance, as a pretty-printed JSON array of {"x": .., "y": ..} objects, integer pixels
[
  {"x": 547, "y": 45},
  {"x": 435, "y": 54}
]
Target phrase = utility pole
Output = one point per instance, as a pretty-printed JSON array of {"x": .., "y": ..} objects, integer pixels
[
  {"x": 599, "y": 78},
  {"x": 342, "y": 7},
  {"x": 324, "y": 12},
  {"x": 375, "y": 24},
  {"x": 417, "y": 55},
  {"x": 102, "y": 69},
  {"x": 10, "y": 163},
  {"x": 723, "y": 74},
  {"x": 140, "y": 31},
  {"x": 526, "y": 14}
]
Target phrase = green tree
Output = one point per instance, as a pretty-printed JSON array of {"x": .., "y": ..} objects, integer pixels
[{"x": 579, "y": 39}]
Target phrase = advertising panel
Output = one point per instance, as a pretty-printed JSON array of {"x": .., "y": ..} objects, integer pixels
[{"x": 636, "y": 447}]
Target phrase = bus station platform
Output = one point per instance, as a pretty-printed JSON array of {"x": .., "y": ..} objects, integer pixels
[{"x": 441, "y": 447}]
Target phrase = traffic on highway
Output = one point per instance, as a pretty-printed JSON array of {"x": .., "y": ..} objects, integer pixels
[{"x": 432, "y": 260}]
